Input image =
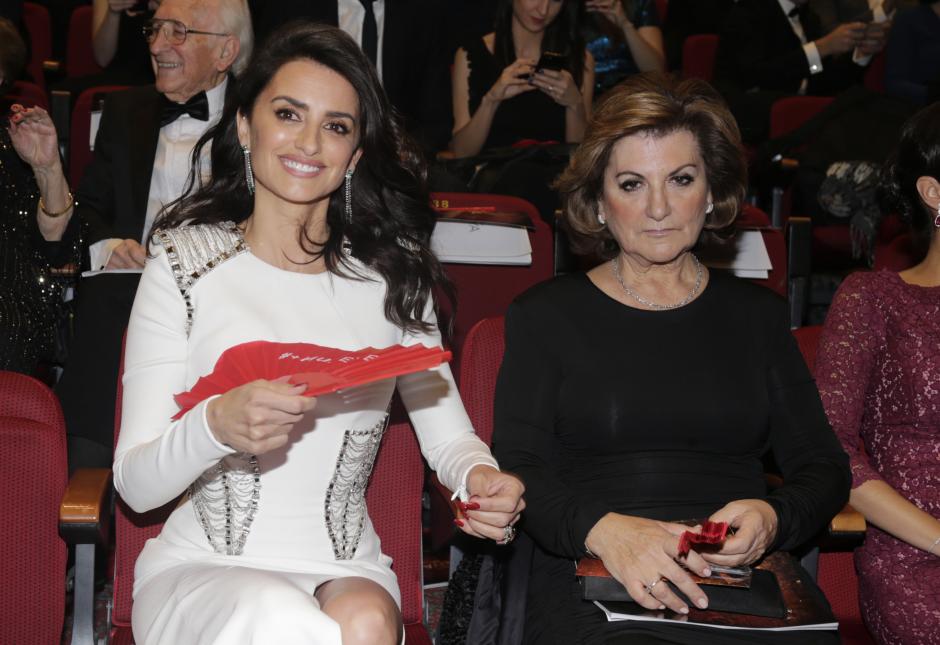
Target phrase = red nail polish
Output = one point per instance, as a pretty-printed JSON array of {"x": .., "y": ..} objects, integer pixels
[
  {"x": 472, "y": 506},
  {"x": 458, "y": 522}
]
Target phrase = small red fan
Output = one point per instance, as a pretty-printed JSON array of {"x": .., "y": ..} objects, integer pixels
[
  {"x": 322, "y": 369},
  {"x": 712, "y": 533}
]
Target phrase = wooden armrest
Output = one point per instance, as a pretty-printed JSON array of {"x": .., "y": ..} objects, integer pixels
[
  {"x": 788, "y": 164},
  {"x": 85, "y": 511},
  {"x": 848, "y": 521},
  {"x": 51, "y": 65}
]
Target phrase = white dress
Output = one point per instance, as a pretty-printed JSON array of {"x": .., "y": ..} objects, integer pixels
[{"x": 239, "y": 558}]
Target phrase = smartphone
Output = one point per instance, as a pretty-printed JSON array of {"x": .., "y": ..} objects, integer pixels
[{"x": 553, "y": 61}]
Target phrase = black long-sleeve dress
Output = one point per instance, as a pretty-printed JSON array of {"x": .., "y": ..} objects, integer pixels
[
  {"x": 602, "y": 407},
  {"x": 32, "y": 310}
]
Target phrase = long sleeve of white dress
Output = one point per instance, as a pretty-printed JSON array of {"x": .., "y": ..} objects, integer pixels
[{"x": 156, "y": 459}]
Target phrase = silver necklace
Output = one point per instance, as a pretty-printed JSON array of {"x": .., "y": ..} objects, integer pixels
[{"x": 615, "y": 267}]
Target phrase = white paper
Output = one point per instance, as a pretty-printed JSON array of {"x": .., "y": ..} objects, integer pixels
[
  {"x": 613, "y": 617},
  {"x": 473, "y": 243},
  {"x": 92, "y": 274},
  {"x": 750, "y": 260},
  {"x": 93, "y": 128}
]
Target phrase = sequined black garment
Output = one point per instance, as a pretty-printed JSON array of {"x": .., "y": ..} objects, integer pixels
[{"x": 34, "y": 273}]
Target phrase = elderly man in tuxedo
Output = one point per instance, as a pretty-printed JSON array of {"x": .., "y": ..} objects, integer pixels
[
  {"x": 141, "y": 163},
  {"x": 406, "y": 41},
  {"x": 773, "y": 48}
]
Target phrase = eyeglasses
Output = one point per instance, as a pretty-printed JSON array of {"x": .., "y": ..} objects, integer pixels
[{"x": 173, "y": 30}]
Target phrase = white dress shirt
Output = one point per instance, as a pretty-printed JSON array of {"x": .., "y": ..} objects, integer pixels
[
  {"x": 171, "y": 165},
  {"x": 351, "y": 14}
]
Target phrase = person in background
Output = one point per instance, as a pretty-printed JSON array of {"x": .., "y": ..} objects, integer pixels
[
  {"x": 769, "y": 49},
  {"x": 116, "y": 42},
  {"x": 649, "y": 389},
  {"x": 912, "y": 65},
  {"x": 624, "y": 38},
  {"x": 142, "y": 157},
  {"x": 314, "y": 227},
  {"x": 39, "y": 237},
  {"x": 501, "y": 96},
  {"x": 877, "y": 368},
  {"x": 407, "y": 42}
]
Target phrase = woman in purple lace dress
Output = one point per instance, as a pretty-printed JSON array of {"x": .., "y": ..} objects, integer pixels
[{"x": 878, "y": 371}]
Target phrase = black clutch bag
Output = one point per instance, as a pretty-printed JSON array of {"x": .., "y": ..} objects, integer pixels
[{"x": 762, "y": 598}]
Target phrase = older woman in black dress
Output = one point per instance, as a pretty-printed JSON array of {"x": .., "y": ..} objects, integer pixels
[
  {"x": 37, "y": 235},
  {"x": 649, "y": 389}
]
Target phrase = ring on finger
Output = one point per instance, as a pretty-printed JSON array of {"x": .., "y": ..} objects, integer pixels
[
  {"x": 649, "y": 587},
  {"x": 509, "y": 534}
]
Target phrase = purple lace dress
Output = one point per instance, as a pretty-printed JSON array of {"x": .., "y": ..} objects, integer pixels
[{"x": 878, "y": 371}]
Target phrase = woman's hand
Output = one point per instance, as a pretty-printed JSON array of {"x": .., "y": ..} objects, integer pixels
[
  {"x": 755, "y": 526},
  {"x": 610, "y": 9},
  {"x": 559, "y": 85},
  {"x": 495, "y": 504},
  {"x": 34, "y": 138},
  {"x": 257, "y": 417},
  {"x": 513, "y": 81},
  {"x": 641, "y": 553}
]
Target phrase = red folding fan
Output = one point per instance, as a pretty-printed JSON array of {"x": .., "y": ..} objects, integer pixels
[
  {"x": 712, "y": 533},
  {"x": 322, "y": 369}
]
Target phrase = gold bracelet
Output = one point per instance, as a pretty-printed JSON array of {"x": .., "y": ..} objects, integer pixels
[{"x": 42, "y": 207}]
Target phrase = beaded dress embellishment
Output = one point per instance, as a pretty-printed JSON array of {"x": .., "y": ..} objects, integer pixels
[
  {"x": 345, "y": 503},
  {"x": 225, "y": 497},
  {"x": 193, "y": 251}
]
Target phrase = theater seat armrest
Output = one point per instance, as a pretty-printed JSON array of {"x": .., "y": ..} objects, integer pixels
[
  {"x": 85, "y": 511},
  {"x": 51, "y": 66},
  {"x": 848, "y": 522}
]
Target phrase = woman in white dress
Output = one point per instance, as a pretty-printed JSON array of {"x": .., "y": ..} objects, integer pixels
[{"x": 315, "y": 228}]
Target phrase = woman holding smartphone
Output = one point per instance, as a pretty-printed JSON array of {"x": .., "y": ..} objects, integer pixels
[
  {"x": 625, "y": 39},
  {"x": 116, "y": 41},
  {"x": 500, "y": 93}
]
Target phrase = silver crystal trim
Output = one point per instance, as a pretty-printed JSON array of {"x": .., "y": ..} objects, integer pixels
[
  {"x": 193, "y": 251},
  {"x": 225, "y": 499},
  {"x": 345, "y": 503}
]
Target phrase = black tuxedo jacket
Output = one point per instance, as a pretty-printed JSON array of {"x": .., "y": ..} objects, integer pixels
[
  {"x": 112, "y": 196},
  {"x": 758, "y": 49},
  {"x": 415, "y": 57}
]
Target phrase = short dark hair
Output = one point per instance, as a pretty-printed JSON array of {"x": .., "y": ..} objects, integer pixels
[
  {"x": 392, "y": 219},
  {"x": 12, "y": 54},
  {"x": 916, "y": 155},
  {"x": 656, "y": 104}
]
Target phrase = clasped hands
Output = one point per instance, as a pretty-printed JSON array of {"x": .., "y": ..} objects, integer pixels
[{"x": 640, "y": 552}]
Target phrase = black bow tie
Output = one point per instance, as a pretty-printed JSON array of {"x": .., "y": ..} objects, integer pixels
[{"x": 196, "y": 107}]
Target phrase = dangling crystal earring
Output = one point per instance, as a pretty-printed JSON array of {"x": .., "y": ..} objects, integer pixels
[
  {"x": 348, "y": 191},
  {"x": 600, "y": 217},
  {"x": 936, "y": 220},
  {"x": 249, "y": 175},
  {"x": 709, "y": 208}
]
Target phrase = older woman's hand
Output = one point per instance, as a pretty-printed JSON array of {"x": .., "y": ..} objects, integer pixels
[
  {"x": 494, "y": 505},
  {"x": 257, "y": 417},
  {"x": 641, "y": 554},
  {"x": 755, "y": 526},
  {"x": 34, "y": 137}
]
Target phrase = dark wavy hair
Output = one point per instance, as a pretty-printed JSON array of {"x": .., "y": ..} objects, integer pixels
[
  {"x": 916, "y": 155},
  {"x": 563, "y": 35},
  {"x": 392, "y": 220},
  {"x": 657, "y": 104}
]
